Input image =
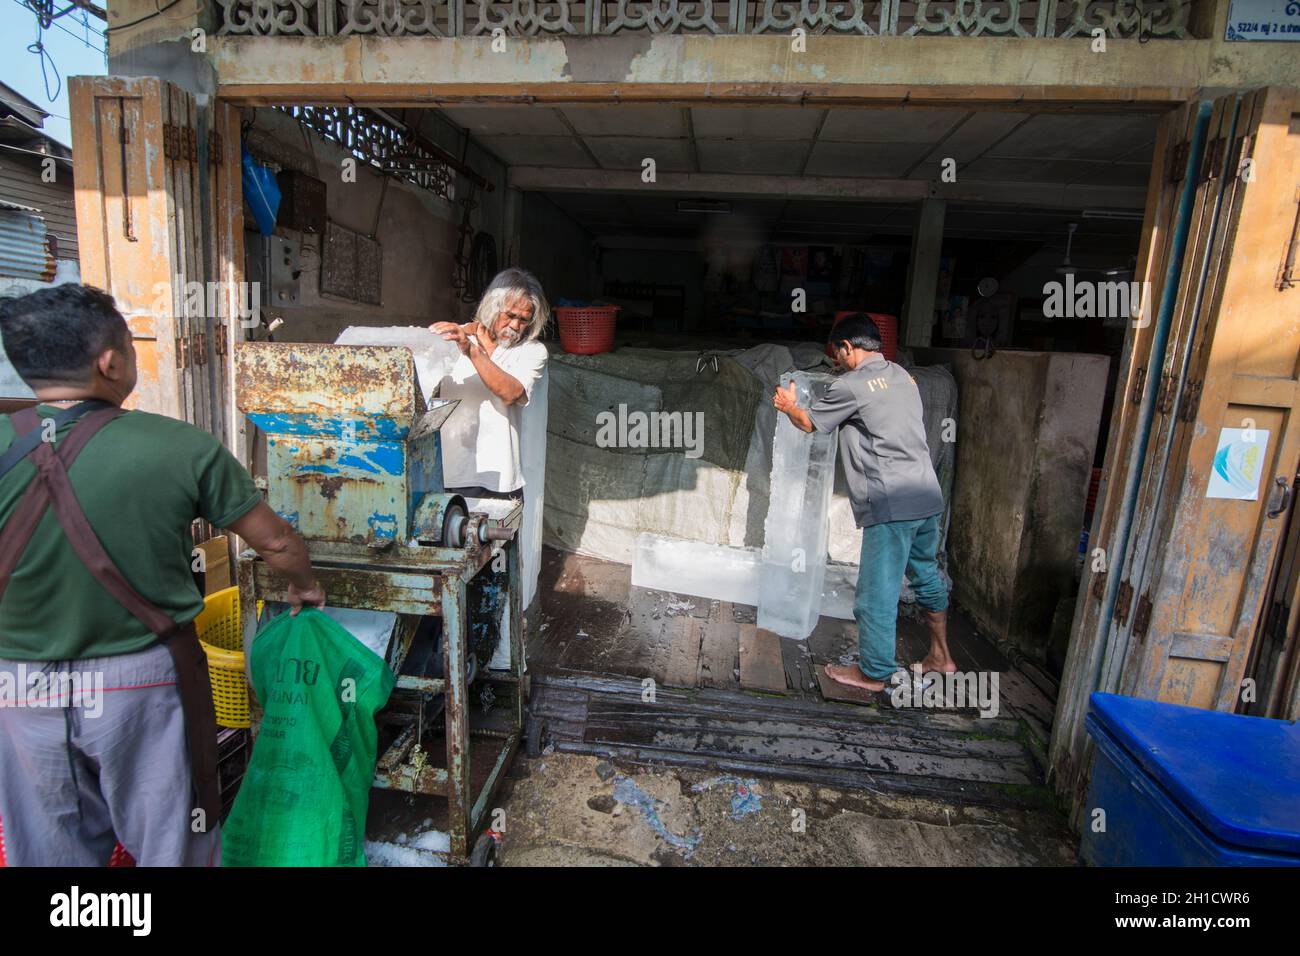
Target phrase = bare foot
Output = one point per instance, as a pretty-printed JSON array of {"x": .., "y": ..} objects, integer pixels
[
  {"x": 852, "y": 676},
  {"x": 928, "y": 665}
]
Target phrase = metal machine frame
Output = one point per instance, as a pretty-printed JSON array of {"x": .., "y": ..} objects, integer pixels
[
  {"x": 355, "y": 462},
  {"x": 432, "y": 582}
]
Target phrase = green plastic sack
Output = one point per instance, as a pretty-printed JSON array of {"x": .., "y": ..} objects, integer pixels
[{"x": 304, "y": 796}]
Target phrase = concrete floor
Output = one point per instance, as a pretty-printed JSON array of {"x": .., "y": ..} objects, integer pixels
[{"x": 577, "y": 810}]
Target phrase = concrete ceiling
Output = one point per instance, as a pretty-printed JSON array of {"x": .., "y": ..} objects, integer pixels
[{"x": 1103, "y": 149}]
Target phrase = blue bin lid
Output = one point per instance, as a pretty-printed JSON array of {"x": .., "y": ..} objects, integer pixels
[{"x": 1238, "y": 777}]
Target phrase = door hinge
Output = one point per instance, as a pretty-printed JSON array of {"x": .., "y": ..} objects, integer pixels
[
  {"x": 200, "y": 348},
  {"x": 1213, "y": 159},
  {"x": 1139, "y": 384},
  {"x": 219, "y": 339},
  {"x": 179, "y": 142},
  {"x": 1241, "y": 148},
  {"x": 214, "y": 148},
  {"x": 1178, "y": 161},
  {"x": 182, "y": 350},
  {"x": 1142, "y": 616},
  {"x": 1168, "y": 386},
  {"x": 1191, "y": 402},
  {"x": 1286, "y": 275},
  {"x": 1099, "y": 585},
  {"x": 1123, "y": 600}
]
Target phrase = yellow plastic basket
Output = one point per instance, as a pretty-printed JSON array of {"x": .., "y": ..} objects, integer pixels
[
  {"x": 219, "y": 631},
  {"x": 218, "y": 622},
  {"x": 229, "y": 688}
]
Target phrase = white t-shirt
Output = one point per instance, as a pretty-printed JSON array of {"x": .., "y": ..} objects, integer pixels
[{"x": 480, "y": 440}]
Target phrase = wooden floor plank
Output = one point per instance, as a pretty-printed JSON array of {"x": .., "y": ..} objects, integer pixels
[
  {"x": 834, "y": 690},
  {"x": 761, "y": 667},
  {"x": 683, "y": 668},
  {"x": 718, "y": 649}
]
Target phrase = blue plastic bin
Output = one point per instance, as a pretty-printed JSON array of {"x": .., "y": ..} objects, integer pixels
[{"x": 1183, "y": 786}]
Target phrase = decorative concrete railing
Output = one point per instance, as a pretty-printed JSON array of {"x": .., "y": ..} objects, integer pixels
[{"x": 1120, "y": 19}]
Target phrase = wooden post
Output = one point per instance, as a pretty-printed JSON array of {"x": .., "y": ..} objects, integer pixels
[{"x": 923, "y": 274}]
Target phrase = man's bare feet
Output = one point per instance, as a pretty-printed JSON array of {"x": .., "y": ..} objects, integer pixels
[
  {"x": 929, "y": 664},
  {"x": 852, "y": 676}
]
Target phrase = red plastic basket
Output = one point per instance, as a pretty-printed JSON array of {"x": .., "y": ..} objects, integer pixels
[
  {"x": 888, "y": 325},
  {"x": 587, "y": 331},
  {"x": 119, "y": 856}
]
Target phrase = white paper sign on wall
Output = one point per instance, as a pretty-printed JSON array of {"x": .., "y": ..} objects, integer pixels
[{"x": 1264, "y": 20}]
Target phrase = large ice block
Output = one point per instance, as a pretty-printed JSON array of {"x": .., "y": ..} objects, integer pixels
[
  {"x": 696, "y": 568},
  {"x": 794, "y": 542},
  {"x": 434, "y": 356}
]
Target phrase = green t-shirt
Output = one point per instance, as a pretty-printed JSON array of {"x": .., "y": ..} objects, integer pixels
[{"x": 141, "y": 481}]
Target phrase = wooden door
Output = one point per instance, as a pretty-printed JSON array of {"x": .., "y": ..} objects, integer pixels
[
  {"x": 1200, "y": 597},
  {"x": 159, "y": 220},
  {"x": 1173, "y": 162}
]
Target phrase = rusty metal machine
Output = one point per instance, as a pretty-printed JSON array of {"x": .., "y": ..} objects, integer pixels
[{"x": 354, "y": 462}]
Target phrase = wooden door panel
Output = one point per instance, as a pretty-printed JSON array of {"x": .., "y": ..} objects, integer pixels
[{"x": 1207, "y": 590}]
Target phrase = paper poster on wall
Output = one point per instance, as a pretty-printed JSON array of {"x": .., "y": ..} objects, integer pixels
[{"x": 1238, "y": 464}]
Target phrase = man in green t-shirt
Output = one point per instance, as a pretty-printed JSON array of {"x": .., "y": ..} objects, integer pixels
[{"x": 92, "y": 735}]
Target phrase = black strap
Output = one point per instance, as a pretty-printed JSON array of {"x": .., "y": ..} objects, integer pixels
[{"x": 24, "y": 445}]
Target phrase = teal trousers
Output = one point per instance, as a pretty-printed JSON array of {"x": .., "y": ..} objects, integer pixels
[{"x": 890, "y": 550}]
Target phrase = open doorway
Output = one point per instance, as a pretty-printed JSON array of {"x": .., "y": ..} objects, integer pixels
[{"x": 729, "y": 264}]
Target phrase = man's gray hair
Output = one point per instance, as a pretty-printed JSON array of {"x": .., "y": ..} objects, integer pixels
[{"x": 510, "y": 284}]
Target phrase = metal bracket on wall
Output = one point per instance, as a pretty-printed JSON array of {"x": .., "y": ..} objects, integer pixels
[
  {"x": 1191, "y": 402},
  {"x": 1213, "y": 161},
  {"x": 1099, "y": 585}
]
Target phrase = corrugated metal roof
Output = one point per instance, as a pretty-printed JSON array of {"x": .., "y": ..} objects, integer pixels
[
  {"x": 6, "y": 204},
  {"x": 24, "y": 252}
]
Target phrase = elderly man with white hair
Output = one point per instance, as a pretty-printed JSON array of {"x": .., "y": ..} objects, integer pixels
[{"x": 500, "y": 362}]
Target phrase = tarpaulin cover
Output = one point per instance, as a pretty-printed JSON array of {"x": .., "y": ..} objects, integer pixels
[
  {"x": 304, "y": 796},
  {"x": 605, "y": 497}
]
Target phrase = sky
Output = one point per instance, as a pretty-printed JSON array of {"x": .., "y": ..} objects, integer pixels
[{"x": 67, "y": 55}]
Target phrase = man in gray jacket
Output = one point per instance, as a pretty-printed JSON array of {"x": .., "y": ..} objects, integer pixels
[{"x": 895, "y": 496}]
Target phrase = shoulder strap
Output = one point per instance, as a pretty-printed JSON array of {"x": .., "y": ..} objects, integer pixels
[
  {"x": 53, "y": 486},
  {"x": 27, "y": 436},
  {"x": 53, "y": 469}
]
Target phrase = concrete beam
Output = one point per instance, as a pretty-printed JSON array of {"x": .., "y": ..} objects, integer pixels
[
  {"x": 937, "y": 71},
  {"x": 923, "y": 275},
  {"x": 1044, "y": 195}
]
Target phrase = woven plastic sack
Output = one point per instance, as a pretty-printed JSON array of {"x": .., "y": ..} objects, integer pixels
[{"x": 304, "y": 797}]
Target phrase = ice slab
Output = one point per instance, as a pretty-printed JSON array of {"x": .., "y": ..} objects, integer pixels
[
  {"x": 839, "y": 590},
  {"x": 434, "y": 356},
  {"x": 697, "y": 568},
  {"x": 795, "y": 533}
]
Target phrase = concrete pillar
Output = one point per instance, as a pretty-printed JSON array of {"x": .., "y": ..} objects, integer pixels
[
  {"x": 923, "y": 274},
  {"x": 513, "y": 216}
]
